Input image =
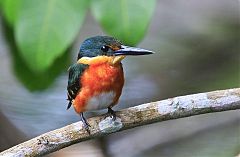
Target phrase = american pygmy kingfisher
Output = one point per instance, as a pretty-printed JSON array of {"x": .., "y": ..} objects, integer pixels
[{"x": 95, "y": 82}]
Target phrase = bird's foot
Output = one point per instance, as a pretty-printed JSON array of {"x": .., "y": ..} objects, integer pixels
[
  {"x": 111, "y": 113},
  {"x": 86, "y": 125}
]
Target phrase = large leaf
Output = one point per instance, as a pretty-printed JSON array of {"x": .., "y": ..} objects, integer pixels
[
  {"x": 125, "y": 19},
  {"x": 1, "y": 3},
  {"x": 39, "y": 81},
  {"x": 31, "y": 79},
  {"x": 10, "y": 10},
  {"x": 45, "y": 29}
]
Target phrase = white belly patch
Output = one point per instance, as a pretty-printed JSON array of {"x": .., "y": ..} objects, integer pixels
[{"x": 101, "y": 101}]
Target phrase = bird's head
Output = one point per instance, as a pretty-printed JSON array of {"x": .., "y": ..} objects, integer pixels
[{"x": 106, "y": 48}]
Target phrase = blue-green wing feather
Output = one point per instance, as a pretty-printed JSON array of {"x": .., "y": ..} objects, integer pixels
[{"x": 75, "y": 73}]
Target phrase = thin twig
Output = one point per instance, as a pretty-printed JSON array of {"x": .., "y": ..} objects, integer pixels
[{"x": 173, "y": 108}]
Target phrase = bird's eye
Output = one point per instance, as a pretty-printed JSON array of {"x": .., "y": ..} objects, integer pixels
[{"x": 104, "y": 48}]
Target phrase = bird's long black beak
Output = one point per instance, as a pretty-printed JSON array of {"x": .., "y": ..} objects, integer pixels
[{"x": 126, "y": 50}]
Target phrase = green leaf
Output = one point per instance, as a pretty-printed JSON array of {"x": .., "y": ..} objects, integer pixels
[
  {"x": 45, "y": 29},
  {"x": 32, "y": 80},
  {"x": 39, "y": 81},
  {"x": 1, "y": 4},
  {"x": 10, "y": 10},
  {"x": 126, "y": 20}
]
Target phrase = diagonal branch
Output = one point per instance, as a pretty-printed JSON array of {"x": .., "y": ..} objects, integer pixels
[{"x": 173, "y": 108}]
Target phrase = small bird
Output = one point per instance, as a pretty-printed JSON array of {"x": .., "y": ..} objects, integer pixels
[{"x": 95, "y": 82}]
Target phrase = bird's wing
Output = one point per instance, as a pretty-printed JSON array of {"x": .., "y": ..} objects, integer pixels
[{"x": 75, "y": 72}]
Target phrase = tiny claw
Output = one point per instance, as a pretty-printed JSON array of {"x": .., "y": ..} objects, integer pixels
[
  {"x": 87, "y": 129},
  {"x": 86, "y": 125},
  {"x": 111, "y": 113},
  {"x": 43, "y": 140}
]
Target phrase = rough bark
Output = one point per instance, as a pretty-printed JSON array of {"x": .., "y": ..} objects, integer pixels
[{"x": 173, "y": 108}]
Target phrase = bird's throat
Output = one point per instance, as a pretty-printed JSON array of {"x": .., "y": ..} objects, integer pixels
[{"x": 112, "y": 60}]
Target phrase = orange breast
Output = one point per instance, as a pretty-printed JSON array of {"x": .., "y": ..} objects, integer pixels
[{"x": 98, "y": 79}]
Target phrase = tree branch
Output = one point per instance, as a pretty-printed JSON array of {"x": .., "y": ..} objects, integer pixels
[{"x": 173, "y": 108}]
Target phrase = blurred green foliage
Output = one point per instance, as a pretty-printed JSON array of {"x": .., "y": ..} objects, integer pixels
[
  {"x": 46, "y": 30},
  {"x": 11, "y": 9},
  {"x": 43, "y": 30},
  {"x": 126, "y": 20},
  {"x": 32, "y": 80},
  {"x": 39, "y": 81}
]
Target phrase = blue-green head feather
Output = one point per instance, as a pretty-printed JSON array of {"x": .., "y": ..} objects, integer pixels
[
  {"x": 107, "y": 46},
  {"x": 98, "y": 46}
]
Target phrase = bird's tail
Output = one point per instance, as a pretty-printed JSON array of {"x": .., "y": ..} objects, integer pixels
[{"x": 69, "y": 104}]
